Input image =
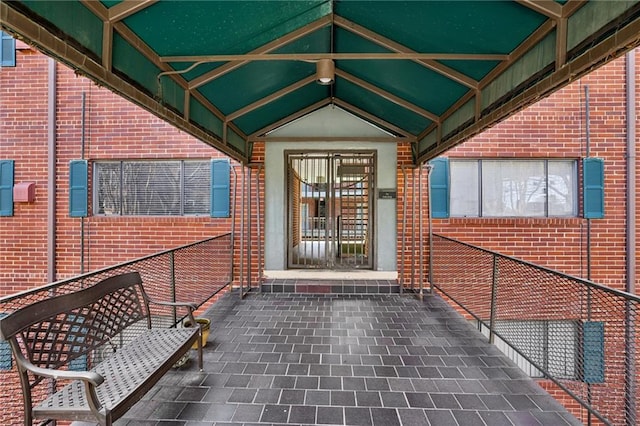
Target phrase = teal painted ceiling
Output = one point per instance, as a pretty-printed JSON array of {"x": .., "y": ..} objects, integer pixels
[{"x": 429, "y": 72}]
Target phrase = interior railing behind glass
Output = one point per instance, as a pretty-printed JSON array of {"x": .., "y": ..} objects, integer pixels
[
  {"x": 192, "y": 273},
  {"x": 578, "y": 337}
]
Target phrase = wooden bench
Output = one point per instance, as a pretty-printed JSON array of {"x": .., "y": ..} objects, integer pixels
[{"x": 55, "y": 337}]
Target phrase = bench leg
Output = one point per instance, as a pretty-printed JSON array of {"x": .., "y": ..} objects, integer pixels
[{"x": 200, "y": 362}]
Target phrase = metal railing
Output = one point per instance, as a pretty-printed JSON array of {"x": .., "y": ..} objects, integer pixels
[
  {"x": 579, "y": 337},
  {"x": 191, "y": 273}
]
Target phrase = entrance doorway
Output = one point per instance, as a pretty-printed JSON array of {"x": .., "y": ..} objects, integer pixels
[{"x": 330, "y": 213}]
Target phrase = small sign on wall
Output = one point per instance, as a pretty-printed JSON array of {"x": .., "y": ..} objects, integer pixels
[{"x": 386, "y": 194}]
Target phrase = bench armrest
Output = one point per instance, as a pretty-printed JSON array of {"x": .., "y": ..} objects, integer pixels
[
  {"x": 87, "y": 376},
  {"x": 191, "y": 307},
  {"x": 90, "y": 380}
]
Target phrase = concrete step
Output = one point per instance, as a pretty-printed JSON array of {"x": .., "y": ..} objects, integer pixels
[{"x": 330, "y": 286}]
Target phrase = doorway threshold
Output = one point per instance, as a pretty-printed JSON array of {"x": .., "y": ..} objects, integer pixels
[
  {"x": 326, "y": 274},
  {"x": 322, "y": 281}
]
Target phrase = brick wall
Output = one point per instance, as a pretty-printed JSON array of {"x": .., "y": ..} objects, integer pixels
[
  {"x": 117, "y": 129},
  {"x": 412, "y": 246},
  {"x": 113, "y": 129},
  {"x": 555, "y": 127},
  {"x": 256, "y": 242},
  {"x": 23, "y": 136}
]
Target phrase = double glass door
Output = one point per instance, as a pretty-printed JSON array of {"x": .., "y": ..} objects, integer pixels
[{"x": 330, "y": 210}]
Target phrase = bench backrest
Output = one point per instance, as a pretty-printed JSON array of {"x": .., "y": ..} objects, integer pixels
[{"x": 55, "y": 331}]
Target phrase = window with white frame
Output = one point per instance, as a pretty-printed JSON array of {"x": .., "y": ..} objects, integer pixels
[
  {"x": 513, "y": 188},
  {"x": 152, "y": 188}
]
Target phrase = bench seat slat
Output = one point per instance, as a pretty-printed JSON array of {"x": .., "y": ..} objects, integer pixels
[{"x": 129, "y": 374}]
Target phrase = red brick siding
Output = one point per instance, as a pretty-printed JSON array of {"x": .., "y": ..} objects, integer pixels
[
  {"x": 257, "y": 238},
  {"x": 23, "y": 136},
  {"x": 251, "y": 252},
  {"x": 115, "y": 129},
  {"x": 411, "y": 266},
  {"x": 555, "y": 128}
]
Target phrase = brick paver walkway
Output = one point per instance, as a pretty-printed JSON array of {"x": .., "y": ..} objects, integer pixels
[{"x": 378, "y": 360}]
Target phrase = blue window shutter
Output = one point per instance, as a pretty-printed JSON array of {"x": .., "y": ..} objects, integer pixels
[
  {"x": 6, "y": 187},
  {"x": 593, "y": 348},
  {"x": 78, "y": 364},
  {"x": 78, "y": 331},
  {"x": 439, "y": 187},
  {"x": 5, "y": 352},
  {"x": 593, "y": 188},
  {"x": 220, "y": 188},
  {"x": 6, "y": 362},
  {"x": 78, "y": 203},
  {"x": 7, "y": 50}
]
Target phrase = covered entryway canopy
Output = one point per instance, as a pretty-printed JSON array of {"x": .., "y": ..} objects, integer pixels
[{"x": 430, "y": 72}]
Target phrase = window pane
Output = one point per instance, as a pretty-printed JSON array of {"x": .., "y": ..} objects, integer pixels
[
  {"x": 552, "y": 345},
  {"x": 527, "y": 337},
  {"x": 107, "y": 188},
  {"x": 197, "y": 187},
  {"x": 562, "y": 348},
  {"x": 151, "y": 188},
  {"x": 513, "y": 188},
  {"x": 562, "y": 188},
  {"x": 464, "y": 188}
]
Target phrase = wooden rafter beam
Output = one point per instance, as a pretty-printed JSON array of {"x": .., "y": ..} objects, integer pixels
[
  {"x": 337, "y": 56},
  {"x": 272, "y": 97},
  {"x": 622, "y": 40},
  {"x": 43, "y": 39},
  {"x": 372, "y": 118},
  {"x": 399, "y": 48},
  {"x": 571, "y": 7},
  {"x": 107, "y": 45},
  {"x": 127, "y": 8},
  {"x": 540, "y": 33},
  {"x": 125, "y": 32},
  {"x": 110, "y": 17},
  {"x": 259, "y": 134},
  {"x": 146, "y": 51},
  {"x": 452, "y": 109},
  {"x": 306, "y": 139},
  {"x": 108, "y": 27},
  {"x": 388, "y": 96},
  {"x": 562, "y": 30},
  {"x": 561, "y": 42},
  {"x": 208, "y": 105},
  {"x": 269, "y": 47},
  {"x": 559, "y": 14},
  {"x": 97, "y": 8},
  {"x": 548, "y": 8}
]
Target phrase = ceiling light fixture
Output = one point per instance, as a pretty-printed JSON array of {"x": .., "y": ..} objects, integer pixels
[{"x": 325, "y": 72}]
